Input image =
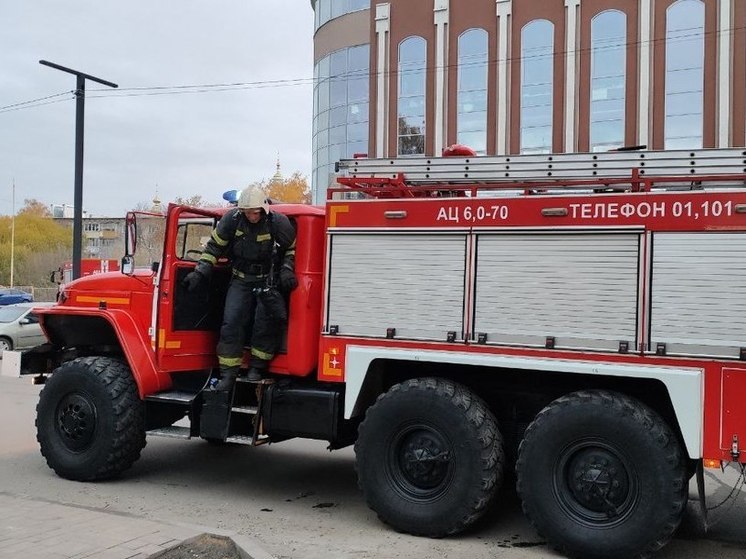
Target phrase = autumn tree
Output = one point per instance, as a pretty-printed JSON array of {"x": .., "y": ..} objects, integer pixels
[
  {"x": 32, "y": 206},
  {"x": 294, "y": 190},
  {"x": 195, "y": 201},
  {"x": 39, "y": 246}
]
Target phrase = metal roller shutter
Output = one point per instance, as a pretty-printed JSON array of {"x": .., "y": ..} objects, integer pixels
[
  {"x": 411, "y": 282},
  {"x": 698, "y": 281},
  {"x": 580, "y": 289}
]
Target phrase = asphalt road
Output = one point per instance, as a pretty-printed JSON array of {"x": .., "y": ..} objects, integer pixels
[{"x": 296, "y": 498}]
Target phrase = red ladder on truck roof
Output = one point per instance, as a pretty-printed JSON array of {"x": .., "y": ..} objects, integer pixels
[{"x": 623, "y": 171}]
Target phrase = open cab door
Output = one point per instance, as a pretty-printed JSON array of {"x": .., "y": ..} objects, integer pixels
[{"x": 188, "y": 323}]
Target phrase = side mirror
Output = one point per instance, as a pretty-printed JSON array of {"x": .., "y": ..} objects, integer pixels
[
  {"x": 128, "y": 265},
  {"x": 130, "y": 234},
  {"x": 130, "y": 244},
  {"x": 24, "y": 321}
]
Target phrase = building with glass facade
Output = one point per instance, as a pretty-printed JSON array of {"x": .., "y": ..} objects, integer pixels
[{"x": 407, "y": 78}]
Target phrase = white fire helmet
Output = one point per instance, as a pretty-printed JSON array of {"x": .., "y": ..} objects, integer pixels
[{"x": 253, "y": 197}]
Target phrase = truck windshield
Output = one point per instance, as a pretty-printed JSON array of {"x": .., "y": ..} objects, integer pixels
[{"x": 150, "y": 232}]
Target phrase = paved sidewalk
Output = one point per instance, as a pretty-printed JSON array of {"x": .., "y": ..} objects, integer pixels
[{"x": 36, "y": 529}]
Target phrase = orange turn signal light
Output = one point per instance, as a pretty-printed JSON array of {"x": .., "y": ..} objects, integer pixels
[{"x": 712, "y": 463}]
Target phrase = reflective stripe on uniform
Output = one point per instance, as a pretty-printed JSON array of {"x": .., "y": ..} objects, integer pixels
[
  {"x": 208, "y": 258},
  {"x": 229, "y": 361},
  {"x": 291, "y": 250},
  {"x": 261, "y": 354},
  {"x": 263, "y": 237},
  {"x": 218, "y": 239}
]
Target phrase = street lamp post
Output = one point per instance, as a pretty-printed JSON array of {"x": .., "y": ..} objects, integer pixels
[
  {"x": 79, "y": 129},
  {"x": 13, "y": 233}
]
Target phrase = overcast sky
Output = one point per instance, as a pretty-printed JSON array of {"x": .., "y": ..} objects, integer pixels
[{"x": 186, "y": 144}]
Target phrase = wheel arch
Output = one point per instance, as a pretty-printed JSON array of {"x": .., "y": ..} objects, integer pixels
[
  {"x": 111, "y": 333},
  {"x": 675, "y": 393}
]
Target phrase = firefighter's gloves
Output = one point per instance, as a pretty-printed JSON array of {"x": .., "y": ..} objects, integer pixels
[
  {"x": 193, "y": 280},
  {"x": 287, "y": 279}
]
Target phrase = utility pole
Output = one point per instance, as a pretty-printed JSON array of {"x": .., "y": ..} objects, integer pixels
[
  {"x": 13, "y": 232},
  {"x": 79, "y": 129}
]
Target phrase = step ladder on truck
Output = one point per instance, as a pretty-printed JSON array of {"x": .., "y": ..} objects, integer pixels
[{"x": 573, "y": 316}]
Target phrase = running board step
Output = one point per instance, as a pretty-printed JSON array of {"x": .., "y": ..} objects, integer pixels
[
  {"x": 251, "y": 410},
  {"x": 247, "y": 440},
  {"x": 172, "y": 432},
  {"x": 172, "y": 397},
  {"x": 265, "y": 381}
]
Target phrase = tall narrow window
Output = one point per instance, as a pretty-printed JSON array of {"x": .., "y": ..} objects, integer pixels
[
  {"x": 537, "y": 80},
  {"x": 608, "y": 73},
  {"x": 411, "y": 101},
  {"x": 471, "y": 118},
  {"x": 685, "y": 54}
]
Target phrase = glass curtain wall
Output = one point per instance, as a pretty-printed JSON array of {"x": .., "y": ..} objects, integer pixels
[
  {"x": 411, "y": 100},
  {"x": 685, "y": 54},
  {"x": 324, "y": 10},
  {"x": 537, "y": 81},
  {"x": 471, "y": 117},
  {"x": 340, "y": 109},
  {"x": 608, "y": 74}
]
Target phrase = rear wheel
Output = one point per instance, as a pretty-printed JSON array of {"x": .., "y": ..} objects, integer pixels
[
  {"x": 602, "y": 476},
  {"x": 90, "y": 420},
  {"x": 429, "y": 457}
]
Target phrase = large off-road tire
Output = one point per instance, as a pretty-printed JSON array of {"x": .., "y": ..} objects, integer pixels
[
  {"x": 429, "y": 457},
  {"x": 602, "y": 476},
  {"x": 89, "y": 420}
]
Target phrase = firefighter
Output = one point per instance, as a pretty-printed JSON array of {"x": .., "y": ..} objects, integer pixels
[{"x": 258, "y": 242}]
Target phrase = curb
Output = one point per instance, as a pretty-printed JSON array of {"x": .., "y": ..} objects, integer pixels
[{"x": 249, "y": 549}]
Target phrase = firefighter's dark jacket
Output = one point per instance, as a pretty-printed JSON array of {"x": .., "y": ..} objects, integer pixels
[{"x": 250, "y": 245}]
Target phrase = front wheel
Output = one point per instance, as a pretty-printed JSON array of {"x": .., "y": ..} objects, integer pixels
[
  {"x": 89, "y": 420},
  {"x": 601, "y": 475},
  {"x": 429, "y": 457},
  {"x": 5, "y": 345}
]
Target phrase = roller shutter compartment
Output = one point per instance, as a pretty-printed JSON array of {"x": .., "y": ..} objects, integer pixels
[
  {"x": 698, "y": 288},
  {"x": 407, "y": 281},
  {"x": 580, "y": 290}
]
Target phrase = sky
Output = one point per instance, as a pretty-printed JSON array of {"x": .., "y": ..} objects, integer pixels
[{"x": 182, "y": 144}]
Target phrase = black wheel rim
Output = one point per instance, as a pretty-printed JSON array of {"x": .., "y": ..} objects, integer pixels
[
  {"x": 75, "y": 421},
  {"x": 420, "y": 462},
  {"x": 595, "y": 483}
]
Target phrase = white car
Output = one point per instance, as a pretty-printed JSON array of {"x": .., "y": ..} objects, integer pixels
[{"x": 19, "y": 326}]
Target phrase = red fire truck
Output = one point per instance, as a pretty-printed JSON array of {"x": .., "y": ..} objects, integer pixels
[
  {"x": 88, "y": 266},
  {"x": 575, "y": 317}
]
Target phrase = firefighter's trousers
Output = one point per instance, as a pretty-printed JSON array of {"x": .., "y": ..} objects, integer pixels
[{"x": 251, "y": 319}]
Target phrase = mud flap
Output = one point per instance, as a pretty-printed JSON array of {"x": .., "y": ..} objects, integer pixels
[
  {"x": 40, "y": 360},
  {"x": 216, "y": 409}
]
